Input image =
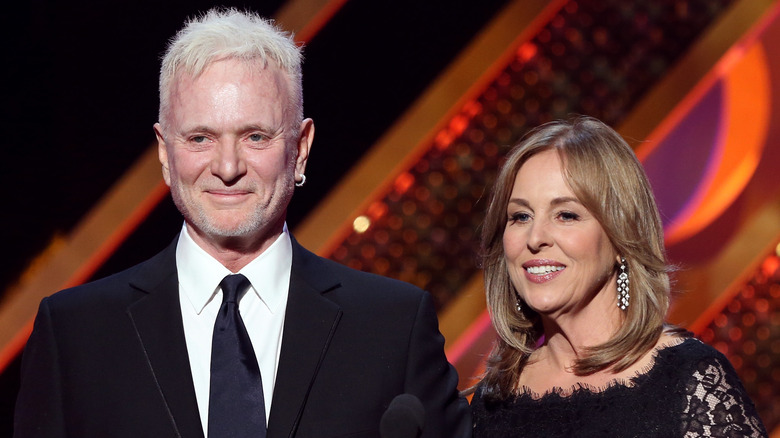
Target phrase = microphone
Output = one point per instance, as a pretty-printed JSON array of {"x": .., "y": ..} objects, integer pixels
[{"x": 404, "y": 418}]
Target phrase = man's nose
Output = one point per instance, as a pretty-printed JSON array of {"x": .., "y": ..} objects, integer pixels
[{"x": 228, "y": 163}]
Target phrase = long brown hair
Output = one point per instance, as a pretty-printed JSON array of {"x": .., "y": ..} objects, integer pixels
[{"x": 605, "y": 175}]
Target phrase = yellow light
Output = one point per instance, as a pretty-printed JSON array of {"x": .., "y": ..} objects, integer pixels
[{"x": 361, "y": 224}]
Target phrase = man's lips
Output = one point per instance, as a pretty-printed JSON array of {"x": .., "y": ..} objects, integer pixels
[
  {"x": 228, "y": 192},
  {"x": 222, "y": 195}
]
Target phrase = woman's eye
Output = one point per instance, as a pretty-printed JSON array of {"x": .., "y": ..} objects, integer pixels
[
  {"x": 568, "y": 216},
  {"x": 519, "y": 217}
]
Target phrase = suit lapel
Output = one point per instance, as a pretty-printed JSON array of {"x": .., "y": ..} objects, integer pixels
[
  {"x": 310, "y": 322},
  {"x": 157, "y": 320}
]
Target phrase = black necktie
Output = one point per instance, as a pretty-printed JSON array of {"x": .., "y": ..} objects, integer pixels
[{"x": 236, "y": 405}]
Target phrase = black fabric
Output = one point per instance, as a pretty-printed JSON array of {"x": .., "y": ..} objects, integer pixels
[
  {"x": 236, "y": 405},
  {"x": 108, "y": 359},
  {"x": 690, "y": 391}
]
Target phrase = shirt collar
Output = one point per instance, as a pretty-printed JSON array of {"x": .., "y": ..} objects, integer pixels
[{"x": 200, "y": 273}]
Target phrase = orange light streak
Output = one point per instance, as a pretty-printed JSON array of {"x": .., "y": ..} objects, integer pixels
[
  {"x": 93, "y": 262},
  {"x": 747, "y": 109}
]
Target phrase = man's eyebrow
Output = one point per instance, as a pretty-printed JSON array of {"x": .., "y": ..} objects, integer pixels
[
  {"x": 273, "y": 132},
  {"x": 199, "y": 128}
]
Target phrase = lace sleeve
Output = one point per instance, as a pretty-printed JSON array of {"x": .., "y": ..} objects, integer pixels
[{"x": 716, "y": 404}]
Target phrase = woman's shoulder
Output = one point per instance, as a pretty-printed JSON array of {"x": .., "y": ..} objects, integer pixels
[
  {"x": 687, "y": 352},
  {"x": 716, "y": 402},
  {"x": 678, "y": 359}
]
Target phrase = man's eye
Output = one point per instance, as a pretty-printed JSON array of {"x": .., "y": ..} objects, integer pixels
[
  {"x": 199, "y": 139},
  {"x": 257, "y": 137}
]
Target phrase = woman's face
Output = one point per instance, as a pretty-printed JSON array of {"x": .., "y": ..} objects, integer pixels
[{"x": 559, "y": 258}]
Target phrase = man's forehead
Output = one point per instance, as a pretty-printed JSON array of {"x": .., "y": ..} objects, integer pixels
[
  {"x": 234, "y": 92},
  {"x": 256, "y": 66},
  {"x": 253, "y": 77}
]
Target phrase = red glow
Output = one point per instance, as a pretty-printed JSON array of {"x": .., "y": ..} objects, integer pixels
[
  {"x": 770, "y": 266},
  {"x": 472, "y": 108},
  {"x": 376, "y": 210},
  {"x": 403, "y": 182},
  {"x": 444, "y": 139},
  {"x": 526, "y": 52}
]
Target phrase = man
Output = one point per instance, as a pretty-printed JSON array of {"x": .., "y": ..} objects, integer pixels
[{"x": 171, "y": 347}]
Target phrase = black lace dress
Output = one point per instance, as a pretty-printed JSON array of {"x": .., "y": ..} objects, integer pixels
[{"x": 691, "y": 390}]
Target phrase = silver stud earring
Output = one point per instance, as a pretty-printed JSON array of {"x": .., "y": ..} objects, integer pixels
[
  {"x": 622, "y": 285},
  {"x": 303, "y": 181}
]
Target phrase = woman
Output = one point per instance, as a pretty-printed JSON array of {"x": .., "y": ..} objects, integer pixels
[{"x": 577, "y": 288}]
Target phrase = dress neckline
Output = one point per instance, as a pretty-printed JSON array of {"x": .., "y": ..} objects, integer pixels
[{"x": 580, "y": 389}]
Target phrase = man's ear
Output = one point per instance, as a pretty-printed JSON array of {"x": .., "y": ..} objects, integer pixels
[
  {"x": 305, "y": 139},
  {"x": 162, "y": 153}
]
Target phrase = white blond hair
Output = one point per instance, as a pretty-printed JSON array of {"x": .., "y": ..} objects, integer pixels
[{"x": 221, "y": 34}]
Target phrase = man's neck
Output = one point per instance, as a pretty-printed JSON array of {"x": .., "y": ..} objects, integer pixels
[{"x": 235, "y": 252}]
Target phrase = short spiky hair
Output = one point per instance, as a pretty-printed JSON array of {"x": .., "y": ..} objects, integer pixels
[{"x": 230, "y": 34}]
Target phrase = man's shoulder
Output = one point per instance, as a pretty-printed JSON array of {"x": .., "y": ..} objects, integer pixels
[
  {"x": 310, "y": 261},
  {"x": 352, "y": 287},
  {"x": 355, "y": 276}
]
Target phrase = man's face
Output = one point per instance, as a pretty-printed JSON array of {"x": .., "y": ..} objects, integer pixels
[{"x": 229, "y": 155}]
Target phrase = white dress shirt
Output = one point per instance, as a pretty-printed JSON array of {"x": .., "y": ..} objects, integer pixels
[{"x": 262, "y": 308}]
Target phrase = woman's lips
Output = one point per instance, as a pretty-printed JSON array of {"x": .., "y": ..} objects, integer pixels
[{"x": 542, "y": 271}]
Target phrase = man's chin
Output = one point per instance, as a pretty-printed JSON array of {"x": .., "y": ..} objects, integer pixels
[
  {"x": 238, "y": 228},
  {"x": 222, "y": 228},
  {"x": 234, "y": 232}
]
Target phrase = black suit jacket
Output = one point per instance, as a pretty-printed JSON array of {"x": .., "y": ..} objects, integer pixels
[{"x": 109, "y": 358}]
